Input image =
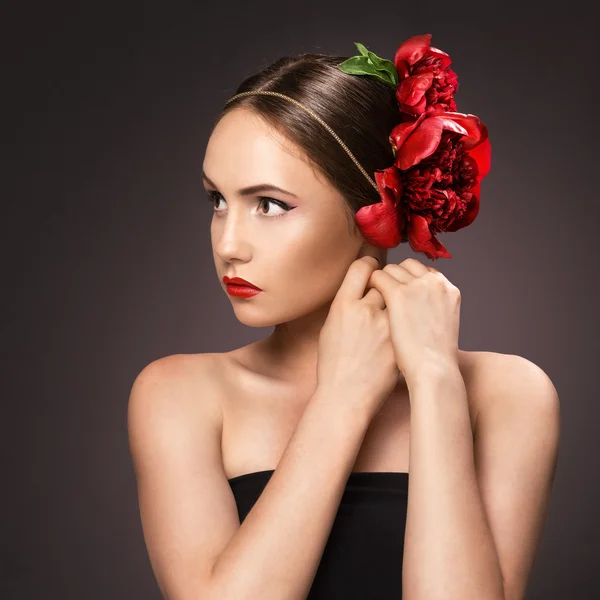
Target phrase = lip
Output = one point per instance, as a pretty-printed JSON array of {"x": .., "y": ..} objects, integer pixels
[
  {"x": 236, "y": 286},
  {"x": 240, "y": 281}
]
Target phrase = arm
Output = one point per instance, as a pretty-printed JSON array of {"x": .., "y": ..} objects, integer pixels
[
  {"x": 516, "y": 453},
  {"x": 276, "y": 552},
  {"x": 476, "y": 508},
  {"x": 448, "y": 547}
]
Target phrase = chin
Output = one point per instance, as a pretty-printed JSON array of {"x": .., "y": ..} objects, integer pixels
[
  {"x": 256, "y": 314},
  {"x": 258, "y": 321},
  {"x": 252, "y": 315}
]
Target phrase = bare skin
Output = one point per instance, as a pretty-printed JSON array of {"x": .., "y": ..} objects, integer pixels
[{"x": 260, "y": 413}]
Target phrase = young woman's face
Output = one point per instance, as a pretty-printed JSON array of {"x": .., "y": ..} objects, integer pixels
[{"x": 296, "y": 246}]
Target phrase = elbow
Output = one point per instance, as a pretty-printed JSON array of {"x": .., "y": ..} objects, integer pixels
[
  {"x": 199, "y": 586},
  {"x": 212, "y": 587}
]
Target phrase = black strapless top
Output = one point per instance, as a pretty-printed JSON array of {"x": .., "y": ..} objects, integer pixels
[{"x": 362, "y": 559}]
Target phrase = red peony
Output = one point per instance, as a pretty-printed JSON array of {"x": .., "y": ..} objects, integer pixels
[
  {"x": 433, "y": 185},
  {"x": 426, "y": 81}
]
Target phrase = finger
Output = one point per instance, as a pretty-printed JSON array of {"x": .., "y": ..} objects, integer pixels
[
  {"x": 414, "y": 267},
  {"x": 398, "y": 272},
  {"x": 385, "y": 283},
  {"x": 355, "y": 282},
  {"x": 374, "y": 297}
]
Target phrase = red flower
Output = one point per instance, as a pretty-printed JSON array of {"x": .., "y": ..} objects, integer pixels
[
  {"x": 433, "y": 185},
  {"x": 426, "y": 81},
  {"x": 443, "y": 156},
  {"x": 440, "y": 158}
]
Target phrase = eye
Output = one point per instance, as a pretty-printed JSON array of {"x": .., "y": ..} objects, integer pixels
[
  {"x": 262, "y": 201},
  {"x": 214, "y": 196}
]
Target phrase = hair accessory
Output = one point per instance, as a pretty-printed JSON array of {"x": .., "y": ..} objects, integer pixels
[{"x": 440, "y": 155}]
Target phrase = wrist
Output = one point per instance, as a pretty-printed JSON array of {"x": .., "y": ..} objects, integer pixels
[
  {"x": 343, "y": 405},
  {"x": 435, "y": 372}
]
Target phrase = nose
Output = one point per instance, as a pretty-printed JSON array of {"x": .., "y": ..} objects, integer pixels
[{"x": 231, "y": 236}]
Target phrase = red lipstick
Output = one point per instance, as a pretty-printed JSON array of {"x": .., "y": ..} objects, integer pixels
[{"x": 236, "y": 286}]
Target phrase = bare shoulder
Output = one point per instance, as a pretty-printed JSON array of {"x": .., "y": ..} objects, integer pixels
[
  {"x": 180, "y": 366},
  {"x": 188, "y": 384},
  {"x": 495, "y": 380},
  {"x": 197, "y": 383}
]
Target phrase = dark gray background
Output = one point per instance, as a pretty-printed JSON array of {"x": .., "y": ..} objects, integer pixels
[{"x": 107, "y": 261}]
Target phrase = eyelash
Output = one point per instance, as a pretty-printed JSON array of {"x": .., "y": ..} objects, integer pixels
[{"x": 213, "y": 195}]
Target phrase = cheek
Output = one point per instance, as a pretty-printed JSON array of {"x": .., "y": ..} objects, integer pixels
[
  {"x": 312, "y": 267},
  {"x": 302, "y": 272}
]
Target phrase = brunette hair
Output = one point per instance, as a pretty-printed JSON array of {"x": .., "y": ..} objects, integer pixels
[{"x": 360, "y": 109}]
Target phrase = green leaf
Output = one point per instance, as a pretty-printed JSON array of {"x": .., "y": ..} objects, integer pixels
[
  {"x": 368, "y": 63},
  {"x": 385, "y": 67},
  {"x": 361, "y": 49},
  {"x": 358, "y": 65},
  {"x": 375, "y": 59}
]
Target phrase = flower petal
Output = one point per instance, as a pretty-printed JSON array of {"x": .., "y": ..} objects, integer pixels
[
  {"x": 443, "y": 56},
  {"x": 412, "y": 89},
  {"x": 422, "y": 141},
  {"x": 381, "y": 223},
  {"x": 403, "y": 69},
  {"x": 401, "y": 132},
  {"x": 421, "y": 239},
  {"x": 390, "y": 184},
  {"x": 470, "y": 213},
  {"x": 413, "y": 49},
  {"x": 482, "y": 154},
  {"x": 476, "y": 131}
]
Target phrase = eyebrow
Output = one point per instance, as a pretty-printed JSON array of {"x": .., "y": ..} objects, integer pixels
[{"x": 254, "y": 189}]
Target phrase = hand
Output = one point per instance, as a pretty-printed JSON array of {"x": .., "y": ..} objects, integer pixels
[
  {"x": 356, "y": 359},
  {"x": 424, "y": 314}
]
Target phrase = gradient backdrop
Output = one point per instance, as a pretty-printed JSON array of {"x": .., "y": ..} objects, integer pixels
[{"x": 108, "y": 264}]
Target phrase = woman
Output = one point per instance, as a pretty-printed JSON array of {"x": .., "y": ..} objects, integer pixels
[{"x": 281, "y": 469}]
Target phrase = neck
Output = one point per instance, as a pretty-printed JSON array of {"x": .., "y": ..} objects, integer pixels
[{"x": 293, "y": 347}]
